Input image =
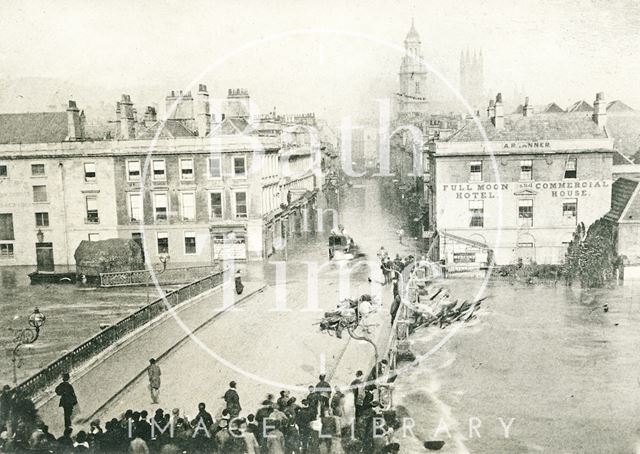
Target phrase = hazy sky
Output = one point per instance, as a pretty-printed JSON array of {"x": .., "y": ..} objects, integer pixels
[{"x": 558, "y": 50}]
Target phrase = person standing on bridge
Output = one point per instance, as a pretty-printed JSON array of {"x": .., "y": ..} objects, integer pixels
[
  {"x": 238, "y": 281},
  {"x": 68, "y": 398},
  {"x": 154, "y": 373},
  {"x": 232, "y": 399}
]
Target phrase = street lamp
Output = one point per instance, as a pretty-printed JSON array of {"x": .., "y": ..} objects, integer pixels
[
  {"x": 164, "y": 259},
  {"x": 27, "y": 336}
]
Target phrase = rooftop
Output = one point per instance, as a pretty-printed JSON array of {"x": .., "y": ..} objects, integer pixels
[
  {"x": 625, "y": 203},
  {"x": 534, "y": 127},
  {"x": 33, "y": 127}
]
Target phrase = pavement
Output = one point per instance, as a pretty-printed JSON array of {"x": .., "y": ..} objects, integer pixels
[{"x": 268, "y": 341}]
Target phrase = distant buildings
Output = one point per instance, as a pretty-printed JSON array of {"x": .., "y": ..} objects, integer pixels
[
  {"x": 412, "y": 95},
  {"x": 200, "y": 186},
  {"x": 472, "y": 78}
]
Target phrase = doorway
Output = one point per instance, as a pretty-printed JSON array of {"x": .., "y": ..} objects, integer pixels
[{"x": 44, "y": 256}]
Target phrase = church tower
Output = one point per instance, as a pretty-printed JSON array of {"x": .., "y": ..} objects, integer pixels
[
  {"x": 472, "y": 78},
  {"x": 412, "y": 97}
]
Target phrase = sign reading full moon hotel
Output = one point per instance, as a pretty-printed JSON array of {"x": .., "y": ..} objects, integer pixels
[{"x": 479, "y": 191}]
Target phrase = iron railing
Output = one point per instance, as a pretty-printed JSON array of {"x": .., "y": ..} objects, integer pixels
[
  {"x": 166, "y": 277},
  {"x": 39, "y": 382}
]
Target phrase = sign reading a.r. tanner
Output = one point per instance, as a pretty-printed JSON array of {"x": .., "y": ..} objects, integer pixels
[{"x": 473, "y": 191}]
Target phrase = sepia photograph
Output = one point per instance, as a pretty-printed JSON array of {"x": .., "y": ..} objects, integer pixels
[{"x": 305, "y": 227}]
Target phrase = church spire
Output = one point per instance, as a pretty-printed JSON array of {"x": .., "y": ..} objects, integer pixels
[{"x": 413, "y": 33}]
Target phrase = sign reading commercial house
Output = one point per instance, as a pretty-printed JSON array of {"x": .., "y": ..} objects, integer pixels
[{"x": 477, "y": 191}]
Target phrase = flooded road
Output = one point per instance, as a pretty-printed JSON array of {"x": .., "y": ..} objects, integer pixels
[{"x": 545, "y": 362}]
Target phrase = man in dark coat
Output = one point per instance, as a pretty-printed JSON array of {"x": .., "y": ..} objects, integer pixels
[
  {"x": 358, "y": 392},
  {"x": 232, "y": 399},
  {"x": 68, "y": 398}
]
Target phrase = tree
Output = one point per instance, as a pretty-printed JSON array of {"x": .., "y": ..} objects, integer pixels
[{"x": 591, "y": 256}]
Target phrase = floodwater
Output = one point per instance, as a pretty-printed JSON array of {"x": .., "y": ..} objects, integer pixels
[
  {"x": 545, "y": 362},
  {"x": 74, "y": 314}
]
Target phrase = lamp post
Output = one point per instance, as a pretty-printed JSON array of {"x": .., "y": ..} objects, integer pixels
[
  {"x": 27, "y": 336},
  {"x": 164, "y": 259}
]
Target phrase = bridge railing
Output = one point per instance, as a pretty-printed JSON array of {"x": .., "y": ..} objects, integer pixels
[
  {"x": 168, "y": 276},
  {"x": 39, "y": 382}
]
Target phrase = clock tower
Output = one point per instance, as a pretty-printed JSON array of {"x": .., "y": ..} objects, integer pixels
[{"x": 412, "y": 97}]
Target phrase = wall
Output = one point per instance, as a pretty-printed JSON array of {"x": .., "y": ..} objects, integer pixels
[{"x": 502, "y": 231}]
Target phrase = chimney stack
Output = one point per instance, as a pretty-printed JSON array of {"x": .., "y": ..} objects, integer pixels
[
  {"x": 498, "y": 119},
  {"x": 74, "y": 125},
  {"x": 238, "y": 103},
  {"x": 527, "y": 109},
  {"x": 600, "y": 110},
  {"x": 491, "y": 110},
  {"x": 150, "y": 116},
  {"x": 203, "y": 117},
  {"x": 127, "y": 118}
]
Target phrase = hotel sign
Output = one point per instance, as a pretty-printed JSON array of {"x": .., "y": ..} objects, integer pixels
[{"x": 479, "y": 191}]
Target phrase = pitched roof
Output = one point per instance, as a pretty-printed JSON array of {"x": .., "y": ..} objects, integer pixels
[
  {"x": 534, "y": 127},
  {"x": 169, "y": 130},
  {"x": 580, "y": 106},
  {"x": 620, "y": 159},
  {"x": 552, "y": 107},
  {"x": 618, "y": 106},
  {"x": 625, "y": 129},
  {"x": 625, "y": 203},
  {"x": 38, "y": 127}
]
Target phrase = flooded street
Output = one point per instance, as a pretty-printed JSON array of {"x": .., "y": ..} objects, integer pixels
[{"x": 547, "y": 356}]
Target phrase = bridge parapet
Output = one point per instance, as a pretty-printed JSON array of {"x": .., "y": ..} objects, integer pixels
[{"x": 41, "y": 381}]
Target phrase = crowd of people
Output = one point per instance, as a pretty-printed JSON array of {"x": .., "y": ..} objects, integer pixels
[{"x": 326, "y": 420}]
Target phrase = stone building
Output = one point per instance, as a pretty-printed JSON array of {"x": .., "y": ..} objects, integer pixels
[
  {"x": 412, "y": 96},
  {"x": 196, "y": 186},
  {"x": 472, "y": 78},
  {"x": 518, "y": 193}
]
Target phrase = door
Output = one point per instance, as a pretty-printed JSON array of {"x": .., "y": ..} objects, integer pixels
[{"x": 44, "y": 256}]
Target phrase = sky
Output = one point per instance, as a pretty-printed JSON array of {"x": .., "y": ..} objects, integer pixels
[{"x": 331, "y": 57}]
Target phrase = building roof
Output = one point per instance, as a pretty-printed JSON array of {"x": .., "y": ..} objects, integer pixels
[
  {"x": 625, "y": 129},
  {"x": 580, "y": 106},
  {"x": 625, "y": 203},
  {"x": 534, "y": 127},
  {"x": 620, "y": 159},
  {"x": 169, "y": 130},
  {"x": 38, "y": 127},
  {"x": 618, "y": 106},
  {"x": 552, "y": 107}
]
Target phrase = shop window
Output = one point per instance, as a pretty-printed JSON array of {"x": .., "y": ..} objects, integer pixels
[{"x": 3, "y": 171}]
